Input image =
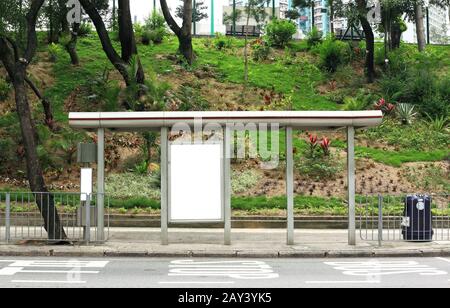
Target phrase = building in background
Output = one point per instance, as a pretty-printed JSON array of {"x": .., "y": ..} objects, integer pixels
[
  {"x": 439, "y": 21},
  {"x": 437, "y": 27}
]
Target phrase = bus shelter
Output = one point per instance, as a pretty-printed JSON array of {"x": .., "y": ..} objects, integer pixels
[{"x": 209, "y": 162}]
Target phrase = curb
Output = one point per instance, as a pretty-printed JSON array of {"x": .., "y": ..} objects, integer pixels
[{"x": 268, "y": 254}]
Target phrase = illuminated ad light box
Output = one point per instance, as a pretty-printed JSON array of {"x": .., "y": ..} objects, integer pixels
[{"x": 195, "y": 182}]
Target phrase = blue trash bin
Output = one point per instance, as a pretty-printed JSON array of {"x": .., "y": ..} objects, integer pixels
[{"x": 417, "y": 223}]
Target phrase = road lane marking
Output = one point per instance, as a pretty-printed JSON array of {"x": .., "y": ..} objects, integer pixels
[
  {"x": 196, "y": 282},
  {"x": 443, "y": 259},
  {"x": 235, "y": 269},
  {"x": 342, "y": 282},
  {"x": 49, "y": 281},
  {"x": 60, "y": 272},
  {"x": 379, "y": 268}
]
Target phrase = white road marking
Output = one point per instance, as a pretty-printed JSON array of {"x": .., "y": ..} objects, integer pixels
[
  {"x": 196, "y": 282},
  {"x": 342, "y": 282},
  {"x": 379, "y": 268},
  {"x": 443, "y": 259},
  {"x": 61, "y": 272},
  {"x": 49, "y": 281},
  {"x": 232, "y": 269},
  {"x": 68, "y": 263}
]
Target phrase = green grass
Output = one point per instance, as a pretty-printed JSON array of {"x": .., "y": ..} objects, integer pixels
[{"x": 396, "y": 159}]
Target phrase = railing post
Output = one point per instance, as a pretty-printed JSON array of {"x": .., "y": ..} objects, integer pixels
[
  {"x": 380, "y": 220},
  {"x": 351, "y": 182},
  {"x": 289, "y": 186},
  {"x": 87, "y": 207},
  {"x": 8, "y": 218}
]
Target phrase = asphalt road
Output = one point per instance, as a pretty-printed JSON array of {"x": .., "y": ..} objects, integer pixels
[{"x": 223, "y": 273}]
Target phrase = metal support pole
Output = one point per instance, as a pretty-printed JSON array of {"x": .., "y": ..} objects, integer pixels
[
  {"x": 234, "y": 17},
  {"x": 428, "y": 25},
  {"x": 289, "y": 186},
  {"x": 226, "y": 182},
  {"x": 87, "y": 208},
  {"x": 194, "y": 23},
  {"x": 101, "y": 184},
  {"x": 351, "y": 185},
  {"x": 164, "y": 187},
  {"x": 273, "y": 8},
  {"x": 212, "y": 19},
  {"x": 8, "y": 218},
  {"x": 380, "y": 220}
]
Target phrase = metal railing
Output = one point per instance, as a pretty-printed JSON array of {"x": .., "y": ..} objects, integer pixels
[
  {"x": 387, "y": 218},
  {"x": 51, "y": 217}
]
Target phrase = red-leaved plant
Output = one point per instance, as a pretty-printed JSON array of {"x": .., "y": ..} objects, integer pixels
[
  {"x": 312, "y": 144},
  {"x": 325, "y": 145},
  {"x": 384, "y": 106}
]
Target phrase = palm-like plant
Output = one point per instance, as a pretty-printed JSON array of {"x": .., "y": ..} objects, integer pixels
[{"x": 406, "y": 113}]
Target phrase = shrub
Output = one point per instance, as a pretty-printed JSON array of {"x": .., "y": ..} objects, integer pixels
[
  {"x": 85, "y": 29},
  {"x": 130, "y": 185},
  {"x": 314, "y": 37},
  {"x": 279, "y": 32},
  {"x": 145, "y": 38},
  {"x": 53, "y": 50},
  {"x": 439, "y": 124},
  {"x": 260, "y": 50},
  {"x": 405, "y": 112},
  {"x": 190, "y": 99},
  {"x": 138, "y": 30},
  {"x": 353, "y": 104},
  {"x": 155, "y": 21},
  {"x": 320, "y": 168},
  {"x": 333, "y": 53},
  {"x": 243, "y": 181},
  {"x": 4, "y": 90},
  {"x": 154, "y": 29},
  {"x": 157, "y": 35}
]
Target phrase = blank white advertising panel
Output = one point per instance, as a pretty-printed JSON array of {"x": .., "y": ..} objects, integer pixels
[{"x": 195, "y": 182}]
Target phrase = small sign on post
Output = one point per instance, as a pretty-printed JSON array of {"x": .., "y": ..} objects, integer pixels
[{"x": 86, "y": 183}]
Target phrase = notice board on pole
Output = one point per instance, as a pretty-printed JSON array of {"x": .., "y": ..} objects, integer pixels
[{"x": 195, "y": 182}]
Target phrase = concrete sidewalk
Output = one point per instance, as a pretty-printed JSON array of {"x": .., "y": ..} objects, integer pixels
[{"x": 252, "y": 243}]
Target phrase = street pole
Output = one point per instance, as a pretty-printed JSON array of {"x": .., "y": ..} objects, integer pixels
[
  {"x": 212, "y": 18},
  {"x": 428, "y": 26},
  {"x": 194, "y": 15},
  {"x": 234, "y": 17},
  {"x": 273, "y": 8}
]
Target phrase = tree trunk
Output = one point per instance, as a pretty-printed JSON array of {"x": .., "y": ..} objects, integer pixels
[
  {"x": 16, "y": 67},
  {"x": 246, "y": 51},
  {"x": 370, "y": 40},
  {"x": 396, "y": 35},
  {"x": 44, "y": 199},
  {"x": 183, "y": 33},
  {"x": 108, "y": 48},
  {"x": 420, "y": 29},
  {"x": 127, "y": 39},
  {"x": 71, "y": 46},
  {"x": 313, "y": 18},
  {"x": 48, "y": 114}
]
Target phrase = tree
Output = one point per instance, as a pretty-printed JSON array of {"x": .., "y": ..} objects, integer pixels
[
  {"x": 229, "y": 19},
  {"x": 183, "y": 33},
  {"x": 127, "y": 41},
  {"x": 198, "y": 13},
  {"x": 420, "y": 29},
  {"x": 292, "y": 14},
  {"x": 16, "y": 61},
  {"x": 357, "y": 13},
  {"x": 254, "y": 9},
  {"x": 306, "y": 4}
]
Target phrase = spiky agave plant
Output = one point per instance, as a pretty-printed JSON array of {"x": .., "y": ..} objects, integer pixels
[{"x": 405, "y": 113}]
